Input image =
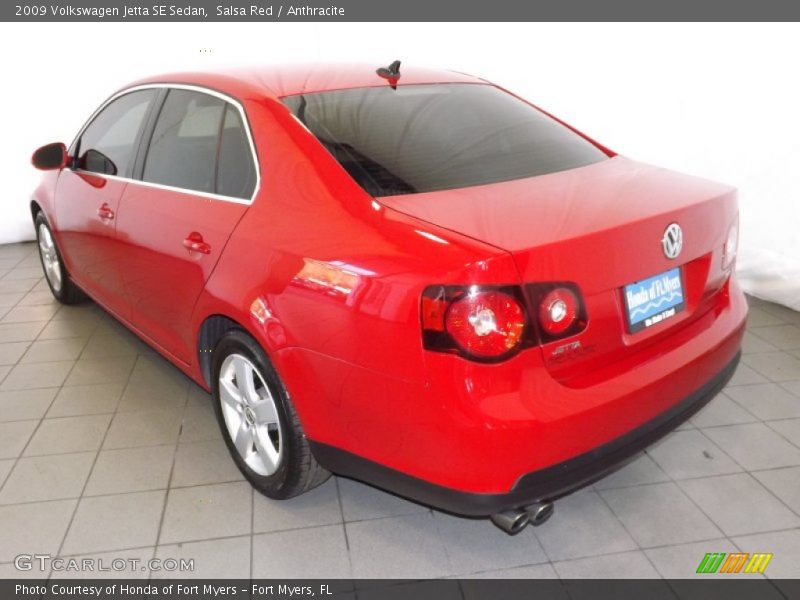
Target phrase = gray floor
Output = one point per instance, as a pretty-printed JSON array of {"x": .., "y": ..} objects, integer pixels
[{"x": 108, "y": 451}]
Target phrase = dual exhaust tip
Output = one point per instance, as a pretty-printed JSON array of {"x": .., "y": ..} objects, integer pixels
[{"x": 515, "y": 520}]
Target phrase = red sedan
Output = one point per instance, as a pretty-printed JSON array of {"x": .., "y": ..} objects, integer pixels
[{"x": 409, "y": 277}]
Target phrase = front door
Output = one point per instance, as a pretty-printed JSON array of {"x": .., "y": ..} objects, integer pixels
[{"x": 88, "y": 196}]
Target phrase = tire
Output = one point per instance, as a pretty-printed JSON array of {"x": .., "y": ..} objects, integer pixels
[
  {"x": 55, "y": 272},
  {"x": 259, "y": 423}
]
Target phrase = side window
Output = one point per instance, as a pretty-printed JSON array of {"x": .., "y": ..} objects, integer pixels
[
  {"x": 183, "y": 148},
  {"x": 236, "y": 174},
  {"x": 108, "y": 144}
]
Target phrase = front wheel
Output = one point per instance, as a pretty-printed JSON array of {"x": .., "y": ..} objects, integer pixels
[
  {"x": 61, "y": 285},
  {"x": 259, "y": 422}
]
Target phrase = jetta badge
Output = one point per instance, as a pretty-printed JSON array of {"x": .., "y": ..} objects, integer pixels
[{"x": 672, "y": 242}]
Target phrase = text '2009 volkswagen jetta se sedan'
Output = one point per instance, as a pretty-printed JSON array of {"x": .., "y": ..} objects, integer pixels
[{"x": 413, "y": 278}]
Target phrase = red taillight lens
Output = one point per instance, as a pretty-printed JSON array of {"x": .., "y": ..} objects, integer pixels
[
  {"x": 486, "y": 324},
  {"x": 481, "y": 323},
  {"x": 558, "y": 311},
  {"x": 491, "y": 323}
]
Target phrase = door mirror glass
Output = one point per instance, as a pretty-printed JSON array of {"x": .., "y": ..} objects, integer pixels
[{"x": 51, "y": 157}]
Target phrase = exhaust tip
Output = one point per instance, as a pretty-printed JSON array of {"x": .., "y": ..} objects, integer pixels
[
  {"x": 539, "y": 513},
  {"x": 511, "y": 521}
]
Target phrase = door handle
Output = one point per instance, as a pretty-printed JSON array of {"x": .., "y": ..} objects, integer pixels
[
  {"x": 194, "y": 243},
  {"x": 105, "y": 212}
]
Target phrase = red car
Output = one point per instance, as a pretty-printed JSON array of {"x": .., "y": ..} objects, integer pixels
[{"x": 409, "y": 277}]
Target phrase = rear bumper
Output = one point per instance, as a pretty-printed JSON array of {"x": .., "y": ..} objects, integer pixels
[{"x": 549, "y": 483}]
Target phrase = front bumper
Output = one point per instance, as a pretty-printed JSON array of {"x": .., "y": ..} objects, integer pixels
[{"x": 549, "y": 483}]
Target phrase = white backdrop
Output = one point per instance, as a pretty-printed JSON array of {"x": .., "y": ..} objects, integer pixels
[{"x": 717, "y": 100}]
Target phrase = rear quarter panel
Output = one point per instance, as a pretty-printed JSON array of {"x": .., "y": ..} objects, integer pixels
[{"x": 339, "y": 278}]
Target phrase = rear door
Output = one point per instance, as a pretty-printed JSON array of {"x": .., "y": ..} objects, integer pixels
[
  {"x": 88, "y": 195},
  {"x": 198, "y": 176}
]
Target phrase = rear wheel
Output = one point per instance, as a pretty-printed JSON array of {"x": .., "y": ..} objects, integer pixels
[
  {"x": 61, "y": 285},
  {"x": 259, "y": 422}
]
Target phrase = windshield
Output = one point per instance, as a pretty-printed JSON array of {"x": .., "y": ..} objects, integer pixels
[{"x": 423, "y": 138}]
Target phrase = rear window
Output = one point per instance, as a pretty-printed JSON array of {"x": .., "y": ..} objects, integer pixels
[{"x": 423, "y": 138}]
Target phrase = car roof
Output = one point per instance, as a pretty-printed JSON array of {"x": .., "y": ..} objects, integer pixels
[{"x": 288, "y": 80}]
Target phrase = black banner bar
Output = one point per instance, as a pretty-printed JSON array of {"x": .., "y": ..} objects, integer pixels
[
  {"x": 712, "y": 587},
  {"x": 400, "y": 10}
]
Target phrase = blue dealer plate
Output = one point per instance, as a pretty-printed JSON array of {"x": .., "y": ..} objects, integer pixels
[{"x": 654, "y": 299}]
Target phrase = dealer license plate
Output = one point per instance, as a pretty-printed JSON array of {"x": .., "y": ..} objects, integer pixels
[{"x": 651, "y": 300}]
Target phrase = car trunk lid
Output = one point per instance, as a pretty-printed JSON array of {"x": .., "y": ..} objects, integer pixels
[{"x": 600, "y": 227}]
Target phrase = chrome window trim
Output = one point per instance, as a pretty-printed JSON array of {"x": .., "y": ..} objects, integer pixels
[{"x": 194, "y": 88}]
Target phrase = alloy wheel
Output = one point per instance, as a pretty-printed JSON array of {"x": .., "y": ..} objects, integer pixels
[
  {"x": 47, "y": 250},
  {"x": 250, "y": 414}
]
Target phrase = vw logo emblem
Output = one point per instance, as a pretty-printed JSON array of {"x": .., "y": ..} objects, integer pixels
[{"x": 672, "y": 242}]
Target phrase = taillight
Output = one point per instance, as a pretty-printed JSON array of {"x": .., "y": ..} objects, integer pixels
[
  {"x": 485, "y": 324},
  {"x": 731, "y": 245},
  {"x": 477, "y": 322},
  {"x": 491, "y": 323},
  {"x": 558, "y": 311}
]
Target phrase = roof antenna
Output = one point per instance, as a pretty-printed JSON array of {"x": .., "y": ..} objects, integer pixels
[{"x": 390, "y": 73}]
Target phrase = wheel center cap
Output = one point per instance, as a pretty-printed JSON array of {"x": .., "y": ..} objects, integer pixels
[{"x": 249, "y": 415}]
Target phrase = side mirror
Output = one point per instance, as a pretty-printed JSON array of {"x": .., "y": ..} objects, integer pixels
[{"x": 51, "y": 157}]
